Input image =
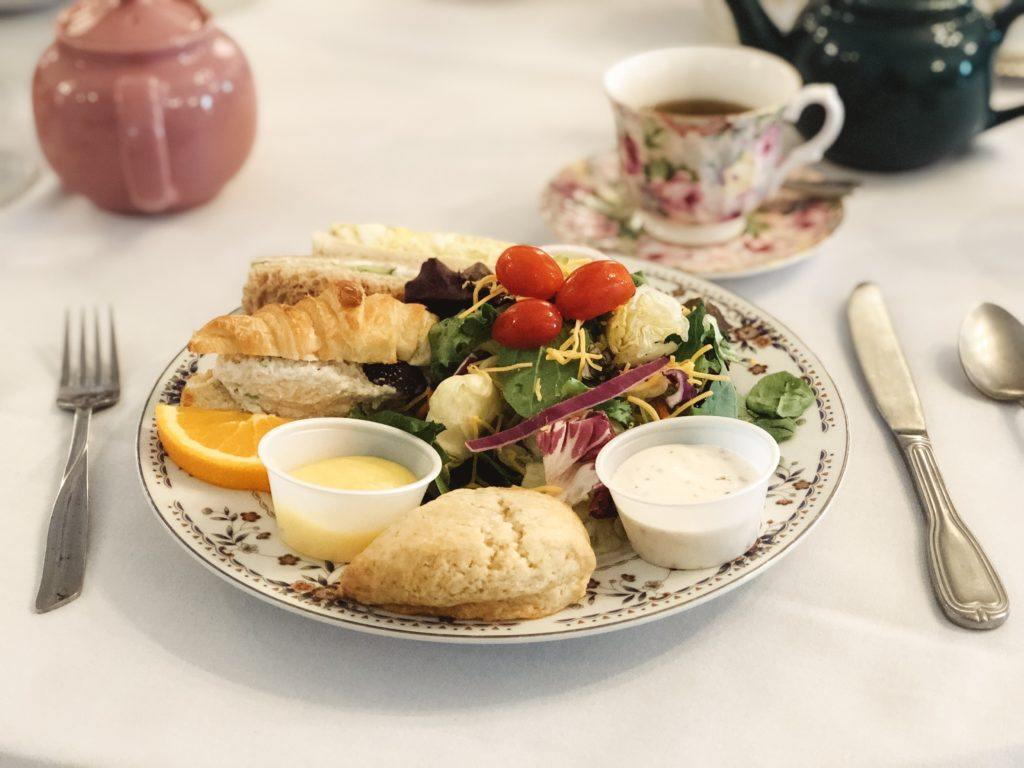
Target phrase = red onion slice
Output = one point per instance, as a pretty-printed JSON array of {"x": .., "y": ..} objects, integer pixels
[{"x": 603, "y": 392}]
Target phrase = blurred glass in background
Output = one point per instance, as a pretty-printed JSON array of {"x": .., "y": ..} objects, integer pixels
[
  {"x": 20, "y": 160},
  {"x": 19, "y": 157}
]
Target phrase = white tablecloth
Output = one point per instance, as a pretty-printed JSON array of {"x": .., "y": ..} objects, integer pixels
[{"x": 451, "y": 115}]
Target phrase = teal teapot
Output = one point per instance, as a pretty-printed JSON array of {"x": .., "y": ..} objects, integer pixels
[{"x": 915, "y": 75}]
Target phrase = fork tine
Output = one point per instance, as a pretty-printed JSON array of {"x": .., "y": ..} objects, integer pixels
[
  {"x": 65, "y": 357},
  {"x": 97, "y": 352},
  {"x": 83, "y": 372},
  {"x": 113, "y": 369}
]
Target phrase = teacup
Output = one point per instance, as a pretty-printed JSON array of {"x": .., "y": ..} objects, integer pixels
[{"x": 695, "y": 177}]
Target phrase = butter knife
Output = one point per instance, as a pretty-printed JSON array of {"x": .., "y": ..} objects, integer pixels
[{"x": 966, "y": 585}]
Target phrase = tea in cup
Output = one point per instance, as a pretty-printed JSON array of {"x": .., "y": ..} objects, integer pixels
[{"x": 700, "y": 135}]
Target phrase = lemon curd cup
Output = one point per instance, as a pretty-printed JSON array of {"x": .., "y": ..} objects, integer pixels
[{"x": 337, "y": 524}]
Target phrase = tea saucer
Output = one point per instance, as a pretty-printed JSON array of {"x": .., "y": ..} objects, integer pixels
[{"x": 586, "y": 203}]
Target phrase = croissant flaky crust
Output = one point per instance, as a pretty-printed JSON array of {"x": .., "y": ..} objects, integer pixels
[{"x": 326, "y": 327}]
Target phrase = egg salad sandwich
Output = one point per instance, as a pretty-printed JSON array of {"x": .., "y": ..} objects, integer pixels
[
  {"x": 321, "y": 356},
  {"x": 371, "y": 258}
]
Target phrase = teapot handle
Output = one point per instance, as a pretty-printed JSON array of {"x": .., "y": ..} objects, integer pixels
[
  {"x": 812, "y": 150},
  {"x": 1003, "y": 18},
  {"x": 142, "y": 142}
]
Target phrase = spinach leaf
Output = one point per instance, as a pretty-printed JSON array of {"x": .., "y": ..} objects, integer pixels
[
  {"x": 452, "y": 339},
  {"x": 617, "y": 409},
  {"x": 573, "y": 387},
  {"x": 781, "y": 429},
  {"x": 780, "y": 395},
  {"x": 482, "y": 469},
  {"x": 774, "y": 403},
  {"x": 702, "y": 331},
  {"x": 519, "y": 386},
  {"x": 427, "y": 431},
  {"x": 723, "y": 401},
  {"x": 639, "y": 278}
]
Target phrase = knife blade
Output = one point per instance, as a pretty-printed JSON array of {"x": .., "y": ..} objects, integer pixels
[
  {"x": 883, "y": 362},
  {"x": 966, "y": 584}
]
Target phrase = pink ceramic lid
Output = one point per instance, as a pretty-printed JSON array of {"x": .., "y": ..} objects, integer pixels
[{"x": 131, "y": 26}]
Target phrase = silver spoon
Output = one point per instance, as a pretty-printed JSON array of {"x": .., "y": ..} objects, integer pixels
[
  {"x": 992, "y": 352},
  {"x": 829, "y": 189}
]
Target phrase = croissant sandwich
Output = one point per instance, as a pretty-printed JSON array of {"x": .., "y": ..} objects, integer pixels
[
  {"x": 372, "y": 258},
  {"x": 321, "y": 356}
]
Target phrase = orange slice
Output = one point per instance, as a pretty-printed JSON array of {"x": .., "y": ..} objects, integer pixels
[{"x": 218, "y": 447}]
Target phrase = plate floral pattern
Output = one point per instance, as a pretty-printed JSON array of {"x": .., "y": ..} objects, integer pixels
[
  {"x": 588, "y": 203},
  {"x": 234, "y": 533}
]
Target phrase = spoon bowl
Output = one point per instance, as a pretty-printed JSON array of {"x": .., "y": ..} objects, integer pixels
[{"x": 992, "y": 352}]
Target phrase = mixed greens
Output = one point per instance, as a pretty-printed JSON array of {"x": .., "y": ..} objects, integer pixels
[{"x": 503, "y": 410}]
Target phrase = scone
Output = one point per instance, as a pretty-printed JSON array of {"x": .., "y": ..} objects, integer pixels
[{"x": 490, "y": 554}]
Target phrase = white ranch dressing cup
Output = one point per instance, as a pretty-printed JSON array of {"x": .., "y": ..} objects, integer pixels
[{"x": 699, "y": 534}]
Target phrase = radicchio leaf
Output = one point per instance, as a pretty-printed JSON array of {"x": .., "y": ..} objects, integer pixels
[
  {"x": 684, "y": 389},
  {"x": 569, "y": 449}
]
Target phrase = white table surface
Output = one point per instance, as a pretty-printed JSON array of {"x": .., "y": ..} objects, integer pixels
[{"x": 450, "y": 115}]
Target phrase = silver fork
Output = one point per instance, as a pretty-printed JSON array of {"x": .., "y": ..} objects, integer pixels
[{"x": 83, "y": 389}]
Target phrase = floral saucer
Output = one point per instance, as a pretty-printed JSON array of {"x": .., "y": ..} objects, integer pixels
[{"x": 586, "y": 203}]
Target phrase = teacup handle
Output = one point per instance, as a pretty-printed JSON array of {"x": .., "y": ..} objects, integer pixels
[
  {"x": 812, "y": 150},
  {"x": 142, "y": 142}
]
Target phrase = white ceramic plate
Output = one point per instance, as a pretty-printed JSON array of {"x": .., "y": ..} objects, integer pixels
[{"x": 233, "y": 532}]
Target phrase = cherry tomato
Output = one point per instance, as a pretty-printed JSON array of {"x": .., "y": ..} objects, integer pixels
[
  {"x": 527, "y": 324},
  {"x": 528, "y": 271},
  {"x": 594, "y": 289}
]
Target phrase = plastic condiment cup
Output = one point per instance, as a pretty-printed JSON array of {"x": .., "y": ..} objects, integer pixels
[
  {"x": 329, "y": 523},
  {"x": 695, "y": 534}
]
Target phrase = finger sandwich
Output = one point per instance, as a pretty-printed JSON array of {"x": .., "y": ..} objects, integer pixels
[
  {"x": 322, "y": 356},
  {"x": 372, "y": 257}
]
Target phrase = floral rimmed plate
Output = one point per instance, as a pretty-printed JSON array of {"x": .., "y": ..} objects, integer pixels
[
  {"x": 234, "y": 534},
  {"x": 586, "y": 203}
]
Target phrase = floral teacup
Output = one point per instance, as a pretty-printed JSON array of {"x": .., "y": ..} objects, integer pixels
[{"x": 695, "y": 177}]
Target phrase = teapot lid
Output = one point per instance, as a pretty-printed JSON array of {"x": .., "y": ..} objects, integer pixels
[{"x": 131, "y": 26}]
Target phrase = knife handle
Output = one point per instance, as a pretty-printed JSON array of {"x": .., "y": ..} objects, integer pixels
[{"x": 966, "y": 585}]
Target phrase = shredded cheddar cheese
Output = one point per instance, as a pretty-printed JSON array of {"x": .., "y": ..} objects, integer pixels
[
  {"x": 490, "y": 282},
  {"x": 575, "y": 348},
  {"x": 700, "y": 352},
  {"x": 646, "y": 408},
  {"x": 482, "y": 283},
  {"x": 695, "y": 377},
  {"x": 417, "y": 400},
  {"x": 537, "y": 390},
  {"x": 692, "y": 401},
  {"x": 474, "y": 368}
]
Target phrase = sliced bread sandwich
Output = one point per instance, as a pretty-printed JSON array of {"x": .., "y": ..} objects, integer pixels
[{"x": 370, "y": 257}]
